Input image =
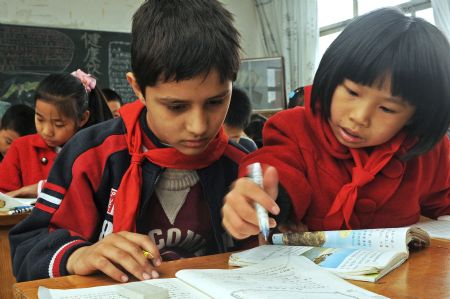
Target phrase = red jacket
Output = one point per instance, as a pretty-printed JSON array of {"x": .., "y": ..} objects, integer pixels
[
  {"x": 27, "y": 161},
  {"x": 312, "y": 176}
]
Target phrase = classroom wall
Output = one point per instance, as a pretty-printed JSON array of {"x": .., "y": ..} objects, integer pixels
[
  {"x": 114, "y": 15},
  {"x": 246, "y": 21}
]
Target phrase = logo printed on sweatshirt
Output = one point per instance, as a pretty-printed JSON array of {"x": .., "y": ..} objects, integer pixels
[{"x": 112, "y": 197}]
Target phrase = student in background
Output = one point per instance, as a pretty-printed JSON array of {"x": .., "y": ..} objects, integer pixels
[
  {"x": 17, "y": 121},
  {"x": 238, "y": 118},
  {"x": 369, "y": 149},
  {"x": 255, "y": 128},
  {"x": 64, "y": 104},
  {"x": 296, "y": 97},
  {"x": 114, "y": 101},
  {"x": 153, "y": 179}
]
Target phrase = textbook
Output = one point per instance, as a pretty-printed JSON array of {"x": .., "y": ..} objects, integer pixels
[
  {"x": 7, "y": 202},
  {"x": 439, "y": 228},
  {"x": 286, "y": 277},
  {"x": 365, "y": 255}
]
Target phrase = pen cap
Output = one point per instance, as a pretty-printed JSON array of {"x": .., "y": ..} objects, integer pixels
[{"x": 255, "y": 172}]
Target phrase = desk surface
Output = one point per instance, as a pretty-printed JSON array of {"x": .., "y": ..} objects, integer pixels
[
  {"x": 6, "y": 277},
  {"x": 426, "y": 274}
]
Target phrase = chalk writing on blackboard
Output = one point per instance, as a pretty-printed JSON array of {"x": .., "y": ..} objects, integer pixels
[
  {"x": 34, "y": 49},
  {"x": 28, "y": 54},
  {"x": 119, "y": 65},
  {"x": 92, "y": 57}
]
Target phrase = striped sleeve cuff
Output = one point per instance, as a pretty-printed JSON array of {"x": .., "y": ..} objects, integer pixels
[{"x": 54, "y": 269}]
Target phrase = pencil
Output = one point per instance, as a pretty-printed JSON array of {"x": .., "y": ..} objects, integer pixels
[{"x": 147, "y": 254}]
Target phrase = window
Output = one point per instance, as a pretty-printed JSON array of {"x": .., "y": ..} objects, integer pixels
[{"x": 333, "y": 15}]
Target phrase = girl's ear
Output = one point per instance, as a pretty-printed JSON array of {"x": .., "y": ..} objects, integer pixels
[
  {"x": 135, "y": 86},
  {"x": 84, "y": 118}
]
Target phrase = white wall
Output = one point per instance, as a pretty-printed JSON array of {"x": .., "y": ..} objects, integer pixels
[
  {"x": 114, "y": 15},
  {"x": 105, "y": 15},
  {"x": 246, "y": 22}
]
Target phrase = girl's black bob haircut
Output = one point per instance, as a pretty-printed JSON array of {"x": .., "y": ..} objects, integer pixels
[{"x": 387, "y": 45}]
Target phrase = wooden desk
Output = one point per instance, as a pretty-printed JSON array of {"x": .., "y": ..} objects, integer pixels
[
  {"x": 6, "y": 277},
  {"x": 426, "y": 274}
]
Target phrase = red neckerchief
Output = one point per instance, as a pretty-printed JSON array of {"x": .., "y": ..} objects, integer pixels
[
  {"x": 364, "y": 171},
  {"x": 128, "y": 195}
]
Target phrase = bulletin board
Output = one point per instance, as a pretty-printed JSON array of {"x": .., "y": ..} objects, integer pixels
[{"x": 263, "y": 80}]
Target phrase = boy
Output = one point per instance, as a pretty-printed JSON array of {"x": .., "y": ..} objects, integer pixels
[
  {"x": 17, "y": 121},
  {"x": 152, "y": 181},
  {"x": 238, "y": 118},
  {"x": 114, "y": 101}
]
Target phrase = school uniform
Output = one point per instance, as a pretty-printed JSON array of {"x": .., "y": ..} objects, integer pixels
[
  {"x": 333, "y": 187},
  {"x": 105, "y": 181},
  {"x": 248, "y": 144},
  {"x": 28, "y": 160}
]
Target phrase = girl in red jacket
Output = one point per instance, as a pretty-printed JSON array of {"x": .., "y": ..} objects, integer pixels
[
  {"x": 369, "y": 149},
  {"x": 64, "y": 103}
]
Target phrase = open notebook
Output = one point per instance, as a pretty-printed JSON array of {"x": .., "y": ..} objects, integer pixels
[
  {"x": 8, "y": 202},
  {"x": 365, "y": 255},
  {"x": 286, "y": 277}
]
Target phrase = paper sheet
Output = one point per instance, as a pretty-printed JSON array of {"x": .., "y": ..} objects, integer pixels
[
  {"x": 437, "y": 228},
  {"x": 177, "y": 290},
  {"x": 284, "y": 277}
]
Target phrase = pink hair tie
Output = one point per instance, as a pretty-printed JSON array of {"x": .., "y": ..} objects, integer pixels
[{"x": 87, "y": 80}]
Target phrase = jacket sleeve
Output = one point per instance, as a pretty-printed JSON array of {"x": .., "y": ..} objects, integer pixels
[
  {"x": 10, "y": 178},
  {"x": 37, "y": 252},
  {"x": 64, "y": 219},
  {"x": 437, "y": 202}
]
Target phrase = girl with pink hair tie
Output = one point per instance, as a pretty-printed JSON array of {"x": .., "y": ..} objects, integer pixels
[{"x": 64, "y": 104}]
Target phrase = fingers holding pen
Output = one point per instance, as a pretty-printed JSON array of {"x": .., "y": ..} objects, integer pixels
[
  {"x": 143, "y": 253},
  {"x": 270, "y": 182},
  {"x": 239, "y": 215}
]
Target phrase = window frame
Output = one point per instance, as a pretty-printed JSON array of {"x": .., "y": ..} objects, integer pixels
[{"x": 408, "y": 7}]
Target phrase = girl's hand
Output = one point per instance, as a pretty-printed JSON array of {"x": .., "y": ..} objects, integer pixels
[
  {"x": 238, "y": 212},
  {"x": 29, "y": 191},
  {"x": 115, "y": 253}
]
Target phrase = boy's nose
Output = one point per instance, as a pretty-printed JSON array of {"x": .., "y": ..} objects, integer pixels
[{"x": 197, "y": 123}]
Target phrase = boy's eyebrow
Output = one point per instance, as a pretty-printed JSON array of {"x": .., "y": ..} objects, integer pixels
[{"x": 173, "y": 99}]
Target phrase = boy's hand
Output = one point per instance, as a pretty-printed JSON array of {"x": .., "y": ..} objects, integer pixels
[
  {"x": 115, "y": 253},
  {"x": 238, "y": 212}
]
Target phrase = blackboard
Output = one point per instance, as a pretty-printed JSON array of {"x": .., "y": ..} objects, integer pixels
[{"x": 28, "y": 54}]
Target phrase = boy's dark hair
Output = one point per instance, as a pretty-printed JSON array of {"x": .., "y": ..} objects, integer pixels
[
  {"x": 240, "y": 110},
  {"x": 180, "y": 39},
  {"x": 387, "y": 45},
  {"x": 66, "y": 92},
  {"x": 111, "y": 95},
  {"x": 19, "y": 118}
]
